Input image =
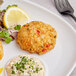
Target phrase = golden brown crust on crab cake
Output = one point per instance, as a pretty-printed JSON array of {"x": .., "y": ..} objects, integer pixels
[
  {"x": 37, "y": 37},
  {"x": 1, "y": 51}
]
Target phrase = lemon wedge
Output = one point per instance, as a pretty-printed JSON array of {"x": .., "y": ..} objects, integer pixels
[
  {"x": 1, "y": 69},
  {"x": 15, "y": 16}
]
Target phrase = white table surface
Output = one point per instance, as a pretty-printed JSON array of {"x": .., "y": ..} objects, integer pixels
[{"x": 49, "y": 4}]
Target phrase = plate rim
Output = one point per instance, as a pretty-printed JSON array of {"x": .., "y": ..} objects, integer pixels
[{"x": 62, "y": 19}]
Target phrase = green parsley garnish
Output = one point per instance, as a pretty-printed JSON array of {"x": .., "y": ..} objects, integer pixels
[
  {"x": 40, "y": 68},
  {"x": 18, "y": 27},
  {"x": 21, "y": 65},
  {"x": 8, "y": 39},
  {"x": 3, "y": 10},
  {"x": 29, "y": 74},
  {"x": 13, "y": 72},
  {"x": 37, "y": 69},
  {"x": 22, "y": 71},
  {"x": 6, "y": 36}
]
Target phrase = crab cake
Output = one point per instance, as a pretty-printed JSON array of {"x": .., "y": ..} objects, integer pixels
[
  {"x": 1, "y": 51},
  {"x": 37, "y": 37}
]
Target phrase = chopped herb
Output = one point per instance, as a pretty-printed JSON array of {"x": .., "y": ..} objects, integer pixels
[
  {"x": 33, "y": 62},
  {"x": 3, "y": 10},
  {"x": 33, "y": 71},
  {"x": 17, "y": 27},
  {"x": 13, "y": 72},
  {"x": 40, "y": 68},
  {"x": 20, "y": 56},
  {"x": 28, "y": 63},
  {"x": 22, "y": 71},
  {"x": 29, "y": 66},
  {"x": 30, "y": 60},
  {"x": 17, "y": 66},
  {"x": 25, "y": 68},
  {"x": 32, "y": 67},
  {"x": 8, "y": 40},
  {"x": 29, "y": 74},
  {"x": 37, "y": 69},
  {"x": 6, "y": 36},
  {"x": 24, "y": 60},
  {"x": 21, "y": 65},
  {"x": 1, "y": 35}
]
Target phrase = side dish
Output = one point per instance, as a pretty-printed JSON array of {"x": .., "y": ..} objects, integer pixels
[
  {"x": 25, "y": 65},
  {"x": 37, "y": 37},
  {"x": 11, "y": 20}
]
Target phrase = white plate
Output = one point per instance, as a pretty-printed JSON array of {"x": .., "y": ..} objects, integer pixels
[{"x": 61, "y": 59}]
